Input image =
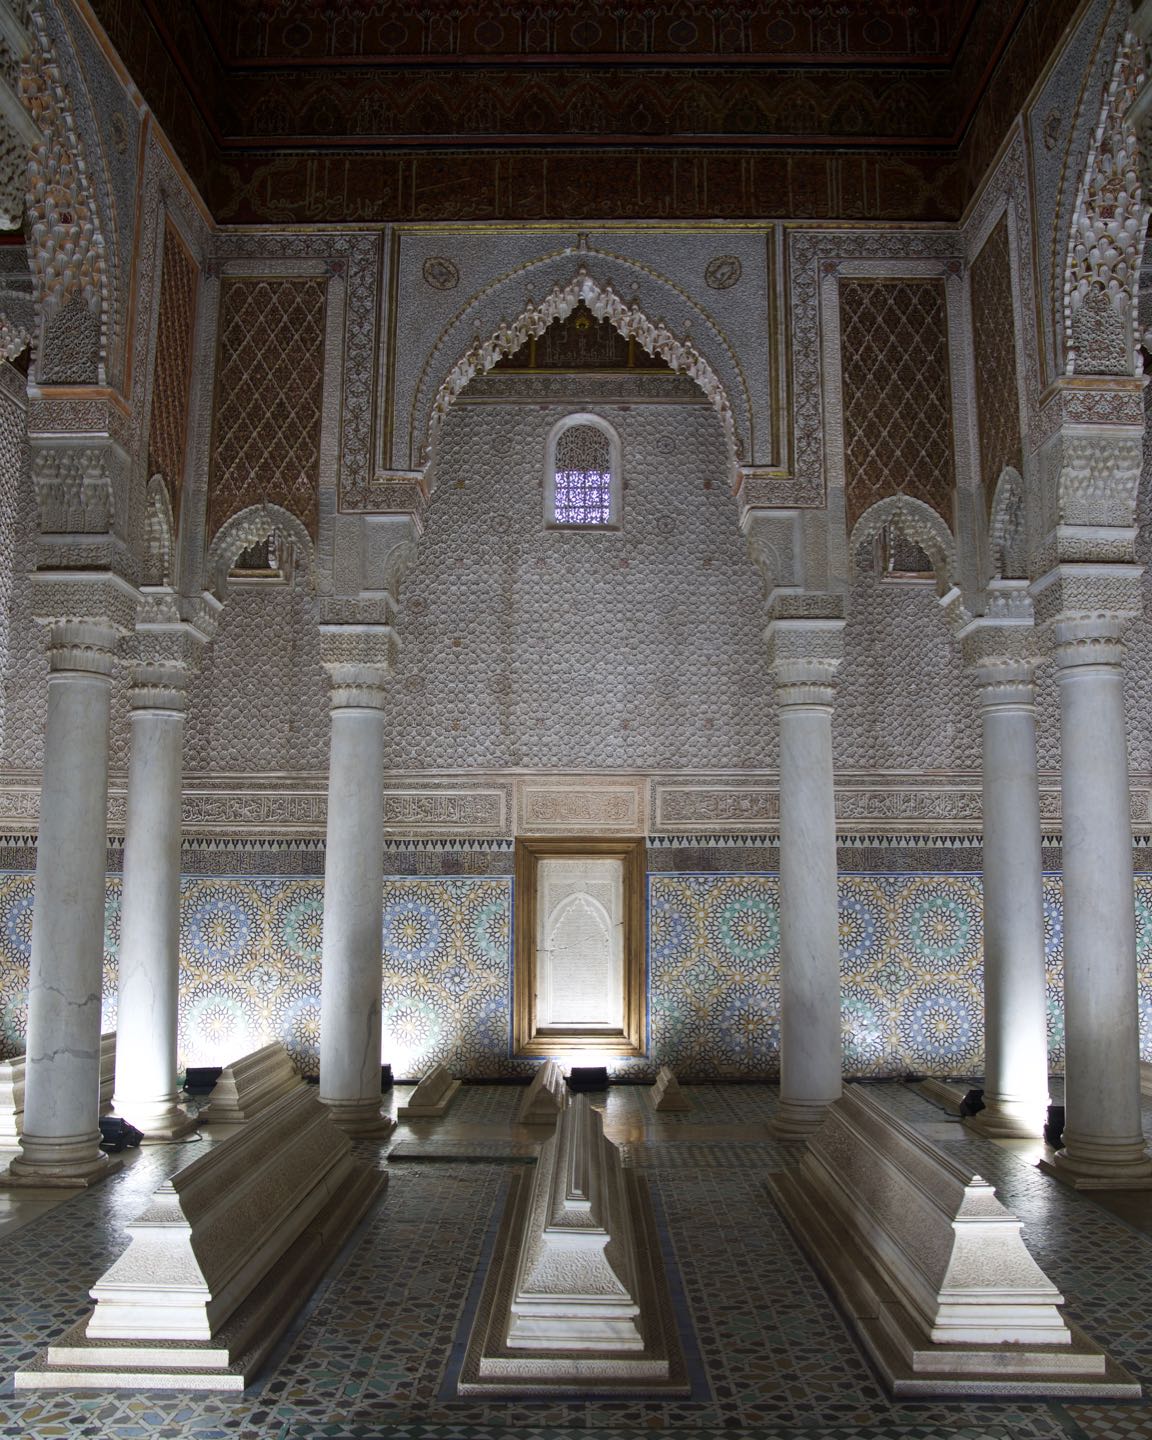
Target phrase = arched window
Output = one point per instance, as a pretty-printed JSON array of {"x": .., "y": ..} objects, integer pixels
[{"x": 583, "y": 481}]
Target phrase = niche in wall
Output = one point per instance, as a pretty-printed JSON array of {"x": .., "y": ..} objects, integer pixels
[{"x": 579, "y": 980}]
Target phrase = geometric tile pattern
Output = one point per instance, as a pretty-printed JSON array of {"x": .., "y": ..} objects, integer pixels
[
  {"x": 447, "y": 974},
  {"x": 911, "y": 949},
  {"x": 250, "y": 950},
  {"x": 368, "y": 1356},
  {"x": 167, "y": 426},
  {"x": 714, "y": 957},
  {"x": 897, "y": 393},
  {"x": 911, "y": 971},
  {"x": 269, "y": 392},
  {"x": 994, "y": 356}
]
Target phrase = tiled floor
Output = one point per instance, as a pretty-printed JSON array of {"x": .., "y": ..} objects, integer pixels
[{"x": 366, "y": 1359}]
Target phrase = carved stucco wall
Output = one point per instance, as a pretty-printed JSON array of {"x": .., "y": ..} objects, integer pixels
[
  {"x": 903, "y": 702},
  {"x": 552, "y": 629},
  {"x": 524, "y": 646},
  {"x": 261, "y": 700}
]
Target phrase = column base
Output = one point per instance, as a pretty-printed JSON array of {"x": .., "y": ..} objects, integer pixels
[
  {"x": 160, "y": 1123},
  {"x": 1011, "y": 1121},
  {"x": 1120, "y": 1166},
  {"x": 24, "y": 1175},
  {"x": 798, "y": 1119},
  {"x": 355, "y": 1117}
]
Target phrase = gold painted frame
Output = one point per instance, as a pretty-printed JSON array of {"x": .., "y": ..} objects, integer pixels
[{"x": 527, "y": 1037}]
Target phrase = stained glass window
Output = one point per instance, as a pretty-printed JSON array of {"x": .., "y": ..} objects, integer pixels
[{"x": 582, "y": 493}]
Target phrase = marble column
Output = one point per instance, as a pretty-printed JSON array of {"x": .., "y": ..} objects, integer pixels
[
  {"x": 350, "y": 1036},
  {"x": 805, "y": 657},
  {"x": 149, "y": 972},
  {"x": 61, "y": 1139},
  {"x": 1015, "y": 988},
  {"x": 1103, "y": 1139}
]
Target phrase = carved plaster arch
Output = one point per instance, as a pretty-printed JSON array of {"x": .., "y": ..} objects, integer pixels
[
  {"x": 919, "y": 523},
  {"x": 1102, "y": 261},
  {"x": 246, "y": 528},
  {"x": 604, "y": 302},
  {"x": 1007, "y": 527},
  {"x": 69, "y": 242},
  {"x": 159, "y": 533}
]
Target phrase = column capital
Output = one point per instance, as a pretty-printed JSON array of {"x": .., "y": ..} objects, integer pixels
[
  {"x": 1104, "y": 594},
  {"x": 1006, "y": 684},
  {"x": 358, "y": 659},
  {"x": 171, "y": 633},
  {"x": 82, "y": 647},
  {"x": 1096, "y": 640},
  {"x": 804, "y": 655},
  {"x": 1002, "y": 653},
  {"x": 160, "y": 685},
  {"x": 87, "y": 614}
]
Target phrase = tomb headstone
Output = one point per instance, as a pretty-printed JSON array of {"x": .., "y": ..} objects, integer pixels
[
  {"x": 666, "y": 1093},
  {"x": 432, "y": 1096},
  {"x": 546, "y": 1096},
  {"x": 249, "y": 1085}
]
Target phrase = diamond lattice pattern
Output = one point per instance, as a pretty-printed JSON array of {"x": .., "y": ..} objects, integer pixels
[
  {"x": 168, "y": 423},
  {"x": 269, "y": 398},
  {"x": 994, "y": 344},
  {"x": 897, "y": 393}
]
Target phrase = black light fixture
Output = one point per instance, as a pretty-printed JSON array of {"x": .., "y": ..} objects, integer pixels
[
  {"x": 116, "y": 1134},
  {"x": 201, "y": 1079},
  {"x": 1054, "y": 1126},
  {"x": 588, "y": 1077},
  {"x": 972, "y": 1103}
]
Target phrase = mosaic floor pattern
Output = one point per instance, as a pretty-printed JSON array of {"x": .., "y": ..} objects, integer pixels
[{"x": 366, "y": 1359}]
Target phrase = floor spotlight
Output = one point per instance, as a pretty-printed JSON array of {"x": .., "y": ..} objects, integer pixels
[
  {"x": 201, "y": 1079},
  {"x": 972, "y": 1103}
]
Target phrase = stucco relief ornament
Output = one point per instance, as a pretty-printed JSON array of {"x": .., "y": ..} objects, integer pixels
[
  {"x": 440, "y": 273},
  {"x": 1103, "y": 264},
  {"x": 722, "y": 272}
]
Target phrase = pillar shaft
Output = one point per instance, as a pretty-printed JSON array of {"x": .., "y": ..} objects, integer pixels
[
  {"x": 353, "y": 911},
  {"x": 1015, "y": 988},
  {"x": 1103, "y": 1139},
  {"x": 149, "y": 977},
  {"x": 811, "y": 1044},
  {"x": 60, "y": 1143}
]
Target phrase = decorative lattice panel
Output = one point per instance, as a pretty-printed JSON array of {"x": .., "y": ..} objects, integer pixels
[
  {"x": 269, "y": 398},
  {"x": 897, "y": 393},
  {"x": 583, "y": 477},
  {"x": 994, "y": 346},
  {"x": 168, "y": 424}
]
